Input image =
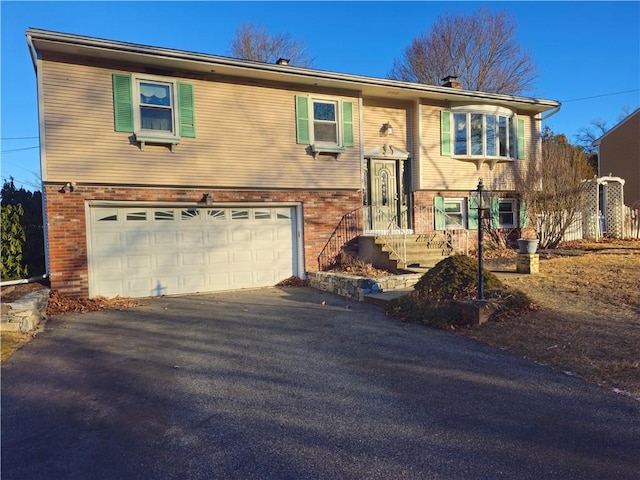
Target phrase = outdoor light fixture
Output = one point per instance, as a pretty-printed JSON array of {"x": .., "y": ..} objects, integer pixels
[
  {"x": 207, "y": 199},
  {"x": 386, "y": 129},
  {"x": 68, "y": 187},
  {"x": 483, "y": 202}
]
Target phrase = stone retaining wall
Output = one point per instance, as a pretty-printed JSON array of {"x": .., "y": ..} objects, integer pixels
[
  {"x": 26, "y": 313},
  {"x": 355, "y": 287}
]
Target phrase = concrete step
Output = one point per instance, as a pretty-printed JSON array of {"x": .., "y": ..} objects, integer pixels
[{"x": 382, "y": 298}]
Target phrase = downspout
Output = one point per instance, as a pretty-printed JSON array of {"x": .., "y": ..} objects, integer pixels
[
  {"x": 551, "y": 113},
  {"x": 37, "y": 66}
]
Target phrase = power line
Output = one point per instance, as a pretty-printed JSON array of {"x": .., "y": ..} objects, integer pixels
[
  {"x": 17, "y": 138},
  {"x": 19, "y": 149},
  {"x": 598, "y": 96}
]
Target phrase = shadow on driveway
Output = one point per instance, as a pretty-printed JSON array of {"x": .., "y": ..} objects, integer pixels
[{"x": 274, "y": 384}]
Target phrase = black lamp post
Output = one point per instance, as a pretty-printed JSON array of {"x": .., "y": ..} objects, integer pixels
[{"x": 483, "y": 201}]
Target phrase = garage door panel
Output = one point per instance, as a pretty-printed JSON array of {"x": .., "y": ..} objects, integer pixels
[
  {"x": 165, "y": 238},
  {"x": 192, "y": 237},
  {"x": 143, "y": 285},
  {"x": 193, "y": 283},
  {"x": 192, "y": 259},
  {"x": 138, "y": 261},
  {"x": 165, "y": 260},
  {"x": 218, "y": 258},
  {"x": 166, "y": 251},
  {"x": 106, "y": 264},
  {"x": 137, "y": 238},
  {"x": 263, "y": 255},
  {"x": 242, "y": 256}
]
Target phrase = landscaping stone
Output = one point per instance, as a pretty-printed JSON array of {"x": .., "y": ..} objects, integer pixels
[
  {"x": 357, "y": 287},
  {"x": 26, "y": 313}
]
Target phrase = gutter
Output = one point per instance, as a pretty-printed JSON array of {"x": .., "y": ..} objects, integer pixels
[
  {"x": 552, "y": 112},
  {"x": 280, "y": 70},
  {"x": 32, "y": 53}
]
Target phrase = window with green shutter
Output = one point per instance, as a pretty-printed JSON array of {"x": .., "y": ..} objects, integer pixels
[
  {"x": 326, "y": 124},
  {"x": 155, "y": 109},
  {"x": 520, "y": 139},
  {"x": 445, "y": 133},
  {"x": 449, "y": 213}
]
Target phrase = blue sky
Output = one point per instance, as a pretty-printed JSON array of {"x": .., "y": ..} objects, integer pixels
[{"x": 586, "y": 52}]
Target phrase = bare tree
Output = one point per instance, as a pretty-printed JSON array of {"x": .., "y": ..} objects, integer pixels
[
  {"x": 589, "y": 134},
  {"x": 552, "y": 187},
  {"x": 481, "y": 49},
  {"x": 254, "y": 42}
]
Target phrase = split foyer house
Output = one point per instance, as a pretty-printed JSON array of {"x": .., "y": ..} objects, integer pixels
[{"x": 168, "y": 172}]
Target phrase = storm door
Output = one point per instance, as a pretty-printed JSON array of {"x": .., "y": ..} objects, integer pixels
[{"x": 385, "y": 204}]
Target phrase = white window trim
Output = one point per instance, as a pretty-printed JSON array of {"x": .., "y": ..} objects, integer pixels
[
  {"x": 153, "y": 136},
  {"x": 484, "y": 110},
  {"x": 463, "y": 210},
  {"x": 514, "y": 212},
  {"x": 326, "y": 147}
]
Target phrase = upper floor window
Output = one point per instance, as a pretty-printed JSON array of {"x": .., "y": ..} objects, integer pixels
[
  {"x": 325, "y": 124},
  {"x": 157, "y": 106},
  {"x": 480, "y": 133},
  {"x": 155, "y": 109}
]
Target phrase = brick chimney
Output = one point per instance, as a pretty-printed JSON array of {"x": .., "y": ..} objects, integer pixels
[{"x": 451, "y": 81}]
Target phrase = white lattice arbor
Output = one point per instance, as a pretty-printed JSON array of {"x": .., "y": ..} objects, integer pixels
[{"x": 603, "y": 211}]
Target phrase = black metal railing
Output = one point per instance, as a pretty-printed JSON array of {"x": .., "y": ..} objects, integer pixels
[{"x": 348, "y": 229}]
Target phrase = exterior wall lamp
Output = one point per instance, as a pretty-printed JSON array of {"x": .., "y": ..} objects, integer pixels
[
  {"x": 207, "y": 199},
  {"x": 68, "y": 187}
]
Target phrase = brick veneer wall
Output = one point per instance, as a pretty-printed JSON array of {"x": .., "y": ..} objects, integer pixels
[{"x": 67, "y": 229}]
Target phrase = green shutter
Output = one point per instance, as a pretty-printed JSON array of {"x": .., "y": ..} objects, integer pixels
[
  {"x": 347, "y": 124},
  {"x": 523, "y": 214},
  {"x": 520, "y": 138},
  {"x": 186, "y": 110},
  {"x": 494, "y": 213},
  {"x": 445, "y": 133},
  {"x": 302, "y": 119},
  {"x": 472, "y": 213},
  {"x": 122, "y": 103},
  {"x": 439, "y": 214}
]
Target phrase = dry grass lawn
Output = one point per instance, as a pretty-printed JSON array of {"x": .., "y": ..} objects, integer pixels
[{"x": 588, "y": 321}]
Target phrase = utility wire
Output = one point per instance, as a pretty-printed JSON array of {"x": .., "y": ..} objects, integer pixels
[
  {"x": 18, "y": 149},
  {"x": 17, "y": 138},
  {"x": 598, "y": 96}
]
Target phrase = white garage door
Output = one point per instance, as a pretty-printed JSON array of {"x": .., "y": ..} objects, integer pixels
[{"x": 141, "y": 252}]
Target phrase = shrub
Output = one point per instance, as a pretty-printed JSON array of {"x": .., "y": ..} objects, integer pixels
[
  {"x": 13, "y": 239},
  {"x": 433, "y": 301}
]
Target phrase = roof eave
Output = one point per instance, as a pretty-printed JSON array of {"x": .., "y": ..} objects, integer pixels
[{"x": 76, "y": 44}]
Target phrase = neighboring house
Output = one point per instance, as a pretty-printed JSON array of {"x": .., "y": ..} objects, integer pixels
[
  {"x": 169, "y": 172},
  {"x": 619, "y": 156}
]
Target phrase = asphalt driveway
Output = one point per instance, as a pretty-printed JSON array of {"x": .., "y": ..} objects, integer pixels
[{"x": 276, "y": 384}]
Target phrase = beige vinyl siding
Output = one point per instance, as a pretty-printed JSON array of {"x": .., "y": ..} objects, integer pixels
[
  {"x": 439, "y": 172},
  {"x": 376, "y": 112},
  {"x": 245, "y": 137}
]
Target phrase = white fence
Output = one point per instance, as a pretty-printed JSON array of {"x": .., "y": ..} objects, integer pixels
[{"x": 582, "y": 228}]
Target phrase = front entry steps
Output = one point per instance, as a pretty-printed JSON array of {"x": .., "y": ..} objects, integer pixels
[{"x": 422, "y": 251}]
